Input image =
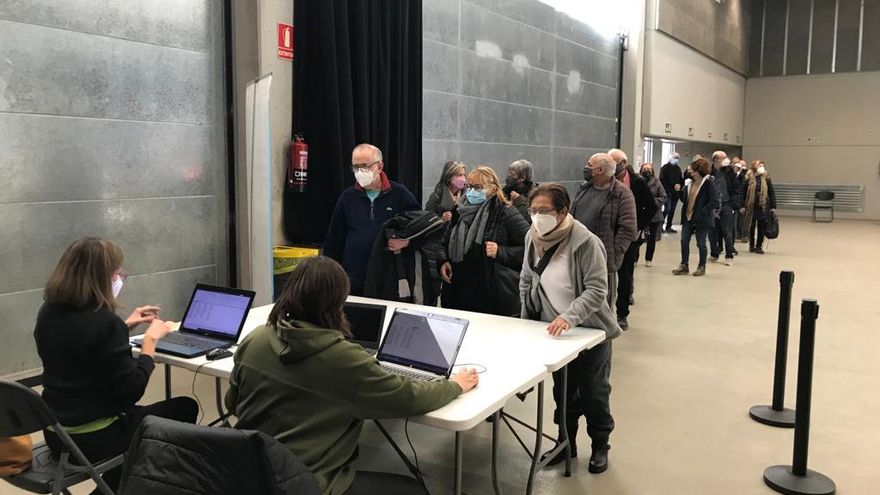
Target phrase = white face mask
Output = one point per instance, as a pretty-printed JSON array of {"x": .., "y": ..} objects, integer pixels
[
  {"x": 544, "y": 222},
  {"x": 761, "y": 170},
  {"x": 364, "y": 177},
  {"x": 116, "y": 286}
]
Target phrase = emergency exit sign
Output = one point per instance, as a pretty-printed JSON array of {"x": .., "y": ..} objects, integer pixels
[{"x": 285, "y": 41}]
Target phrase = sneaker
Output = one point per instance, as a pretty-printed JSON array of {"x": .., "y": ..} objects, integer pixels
[
  {"x": 648, "y": 264},
  {"x": 681, "y": 270},
  {"x": 700, "y": 271},
  {"x": 713, "y": 259},
  {"x": 728, "y": 261}
]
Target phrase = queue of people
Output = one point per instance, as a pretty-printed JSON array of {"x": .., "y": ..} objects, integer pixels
[{"x": 516, "y": 249}]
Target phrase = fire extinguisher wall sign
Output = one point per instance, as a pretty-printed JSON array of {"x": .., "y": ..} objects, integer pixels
[{"x": 297, "y": 174}]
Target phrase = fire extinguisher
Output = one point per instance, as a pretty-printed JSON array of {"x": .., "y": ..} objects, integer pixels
[{"x": 297, "y": 173}]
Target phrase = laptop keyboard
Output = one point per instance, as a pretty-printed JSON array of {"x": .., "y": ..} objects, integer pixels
[
  {"x": 192, "y": 341},
  {"x": 412, "y": 375}
]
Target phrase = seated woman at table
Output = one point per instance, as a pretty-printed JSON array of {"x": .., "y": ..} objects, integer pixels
[
  {"x": 91, "y": 382},
  {"x": 484, "y": 249},
  {"x": 298, "y": 379},
  {"x": 564, "y": 282}
]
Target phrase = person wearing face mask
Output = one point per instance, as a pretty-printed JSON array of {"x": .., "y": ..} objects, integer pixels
[
  {"x": 759, "y": 204},
  {"x": 360, "y": 212},
  {"x": 91, "y": 382},
  {"x": 518, "y": 185},
  {"x": 672, "y": 179},
  {"x": 564, "y": 282},
  {"x": 742, "y": 177},
  {"x": 652, "y": 233},
  {"x": 698, "y": 204},
  {"x": 646, "y": 207},
  {"x": 606, "y": 207},
  {"x": 728, "y": 190},
  {"x": 448, "y": 190},
  {"x": 483, "y": 249}
]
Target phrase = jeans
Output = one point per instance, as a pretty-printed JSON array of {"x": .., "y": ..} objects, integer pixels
[
  {"x": 589, "y": 393},
  {"x": 651, "y": 238},
  {"x": 625, "y": 279},
  {"x": 669, "y": 208},
  {"x": 687, "y": 230},
  {"x": 722, "y": 235}
]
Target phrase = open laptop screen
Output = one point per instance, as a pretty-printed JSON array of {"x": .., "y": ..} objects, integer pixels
[
  {"x": 217, "y": 312},
  {"x": 425, "y": 341},
  {"x": 367, "y": 321}
]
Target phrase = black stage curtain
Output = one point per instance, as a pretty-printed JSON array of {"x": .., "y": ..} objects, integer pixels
[{"x": 357, "y": 77}]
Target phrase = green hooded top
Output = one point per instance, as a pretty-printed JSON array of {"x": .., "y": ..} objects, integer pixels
[{"x": 312, "y": 390}]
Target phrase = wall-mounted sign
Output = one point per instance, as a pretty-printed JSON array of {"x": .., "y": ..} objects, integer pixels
[{"x": 285, "y": 41}]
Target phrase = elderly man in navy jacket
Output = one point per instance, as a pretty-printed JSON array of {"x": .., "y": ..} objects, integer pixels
[{"x": 360, "y": 212}]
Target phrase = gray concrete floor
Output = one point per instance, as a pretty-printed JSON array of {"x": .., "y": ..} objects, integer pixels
[{"x": 698, "y": 353}]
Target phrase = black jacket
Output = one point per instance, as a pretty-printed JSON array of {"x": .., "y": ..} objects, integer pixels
[
  {"x": 670, "y": 175},
  {"x": 705, "y": 206},
  {"x": 483, "y": 284},
  {"x": 521, "y": 203},
  {"x": 728, "y": 187},
  {"x": 425, "y": 231},
  {"x": 88, "y": 371},
  {"x": 646, "y": 207},
  {"x": 171, "y": 458}
]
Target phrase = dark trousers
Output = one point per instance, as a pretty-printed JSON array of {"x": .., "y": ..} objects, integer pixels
[
  {"x": 722, "y": 235},
  {"x": 687, "y": 230},
  {"x": 669, "y": 209},
  {"x": 114, "y": 439},
  {"x": 737, "y": 223},
  {"x": 758, "y": 224},
  {"x": 625, "y": 279},
  {"x": 651, "y": 238},
  {"x": 370, "y": 483},
  {"x": 589, "y": 393}
]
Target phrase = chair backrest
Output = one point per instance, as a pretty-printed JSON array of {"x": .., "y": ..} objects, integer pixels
[
  {"x": 825, "y": 195},
  {"x": 22, "y": 411}
]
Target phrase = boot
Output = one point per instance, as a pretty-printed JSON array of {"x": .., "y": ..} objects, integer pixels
[
  {"x": 681, "y": 270},
  {"x": 599, "y": 458},
  {"x": 572, "y": 434},
  {"x": 700, "y": 271}
]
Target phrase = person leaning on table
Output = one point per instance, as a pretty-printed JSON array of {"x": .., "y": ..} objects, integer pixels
[
  {"x": 568, "y": 291},
  {"x": 91, "y": 382},
  {"x": 298, "y": 379}
]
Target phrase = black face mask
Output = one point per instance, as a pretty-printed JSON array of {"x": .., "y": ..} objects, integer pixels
[
  {"x": 647, "y": 175},
  {"x": 618, "y": 170},
  {"x": 588, "y": 174},
  {"x": 510, "y": 181}
]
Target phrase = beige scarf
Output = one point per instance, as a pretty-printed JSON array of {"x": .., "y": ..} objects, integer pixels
[
  {"x": 561, "y": 233},
  {"x": 750, "y": 196}
]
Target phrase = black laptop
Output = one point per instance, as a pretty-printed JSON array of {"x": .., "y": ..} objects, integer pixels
[
  {"x": 214, "y": 318},
  {"x": 367, "y": 321}
]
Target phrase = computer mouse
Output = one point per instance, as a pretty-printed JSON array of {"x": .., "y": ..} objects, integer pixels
[{"x": 218, "y": 353}]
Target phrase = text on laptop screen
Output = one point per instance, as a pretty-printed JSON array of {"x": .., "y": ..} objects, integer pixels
[
  {"x": 428, "y": 339},
  {"x": 366, "y": 322},
  {"x": 216, "y": 312}
]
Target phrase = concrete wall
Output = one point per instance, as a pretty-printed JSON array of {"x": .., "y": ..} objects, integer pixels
[
  {"x": 114, "y": 129},
  {"x": 510, "y": 79},
  {"x": 818, "y": 129},
  {"x": 717, "y": 30}
]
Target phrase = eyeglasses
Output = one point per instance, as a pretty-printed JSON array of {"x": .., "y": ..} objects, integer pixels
[
  {"x": 362, "y": 166},
  {"x": 541, "y": 211},
  {"x": 475, "y": 187}
]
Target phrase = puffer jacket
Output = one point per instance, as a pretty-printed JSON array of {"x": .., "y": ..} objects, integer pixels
[{"x": 617, "y": 221}]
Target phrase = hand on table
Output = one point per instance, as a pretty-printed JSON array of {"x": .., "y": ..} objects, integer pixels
[
  {"x": 557, "y": 327},
  {"x": 467, "y": 379},
  {"x": 143, "y": 314},
  {"x": 491, "y": 249},
  {"x": 397, "y": 244},
  {"x": 446, "y": 272}
]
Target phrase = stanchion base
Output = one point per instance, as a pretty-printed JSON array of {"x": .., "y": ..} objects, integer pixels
[
  {"x": 781, "y": 479},
  {"x": 769, "y": 416}
]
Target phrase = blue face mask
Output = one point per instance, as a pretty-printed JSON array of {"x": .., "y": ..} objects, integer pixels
[{"x": 475, "y": 197}]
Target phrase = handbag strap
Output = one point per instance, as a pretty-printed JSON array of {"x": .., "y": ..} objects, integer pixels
[{"x": 544, "y": 261}]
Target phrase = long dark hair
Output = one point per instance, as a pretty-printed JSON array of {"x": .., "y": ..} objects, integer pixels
[{"x": 314, "y": 293}]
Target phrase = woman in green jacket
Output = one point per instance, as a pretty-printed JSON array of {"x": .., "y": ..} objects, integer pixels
[{"x": 298, "y": 379}]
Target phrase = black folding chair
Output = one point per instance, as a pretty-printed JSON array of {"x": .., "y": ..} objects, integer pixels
[
  {"x": 823, "y": 200},
  {"x": 23, "y": 412}
]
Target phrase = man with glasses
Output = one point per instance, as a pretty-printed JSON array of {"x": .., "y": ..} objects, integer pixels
[{"x": 360, "y": 212}]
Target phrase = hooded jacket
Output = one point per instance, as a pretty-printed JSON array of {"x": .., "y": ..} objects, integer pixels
[{"x": 312, "y": 390}]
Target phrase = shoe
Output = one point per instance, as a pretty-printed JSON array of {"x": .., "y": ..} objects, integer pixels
[
  {"x": 728, "y": 261},
  {"x": 752, "y": 249},
  {"x": 599, "y": 460},
  {"x": 681, "y": 270},
  {"x": 700, "y": 271},
  {"x": 735, "y": 252},
  {"x": 671, "y": 231},
  {"x": 713, "y": 259},
  {"x": 621, "y": 320},
  {"x": 648, "y": 264},
  {"x": 632, "y": 300},
  {"x": 759, "y": 251}
]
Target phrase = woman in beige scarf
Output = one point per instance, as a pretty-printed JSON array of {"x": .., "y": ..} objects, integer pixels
[{"x": 759, "y": 204}]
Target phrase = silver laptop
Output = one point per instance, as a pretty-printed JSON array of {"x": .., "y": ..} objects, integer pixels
[{"x": 421, "y": 345}]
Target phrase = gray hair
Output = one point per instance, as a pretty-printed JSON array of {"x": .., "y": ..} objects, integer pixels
[
  {"x": 605, "y": 162},
  {"x": 522, "y": 168},
  {"x": 718, "y": 154},
  {"x": 377, "y": 153},
  {"x": 617, "y": 155}
]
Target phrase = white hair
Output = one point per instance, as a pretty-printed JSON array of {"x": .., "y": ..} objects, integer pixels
[
  {"x": 718, "y": 154},
  {"x": 377, "y": 153},
  {"x": 674, "y": 155},
  {"x": 522, "y": 168},
  {"x": 617, "y": 155},
  {"x": 606, "y": 164}
]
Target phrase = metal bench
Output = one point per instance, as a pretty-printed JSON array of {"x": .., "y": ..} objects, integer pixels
[{"x": 849, "y": 198}]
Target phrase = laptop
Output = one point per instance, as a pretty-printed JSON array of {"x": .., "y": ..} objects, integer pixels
[
  {"x": 421, "y": 345},
  {"x": 367, "y": 322},
  {"x": 214, "y": 318}
]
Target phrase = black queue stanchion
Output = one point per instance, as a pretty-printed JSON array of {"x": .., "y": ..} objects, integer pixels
[
  {"x": 797, "y": 479},
  {"x": 777, "y": 414}
]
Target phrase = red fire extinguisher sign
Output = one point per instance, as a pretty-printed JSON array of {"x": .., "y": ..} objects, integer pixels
[
  {"x": 298, "y": 173},
  {"x": 285, "y": 41}
]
